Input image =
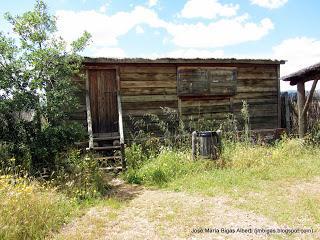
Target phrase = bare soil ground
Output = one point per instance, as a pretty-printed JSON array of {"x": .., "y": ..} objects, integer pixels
[{"x": 158, "y": 214}]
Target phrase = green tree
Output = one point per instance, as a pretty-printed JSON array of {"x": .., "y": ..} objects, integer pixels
[{"x": 36, "y": 68}]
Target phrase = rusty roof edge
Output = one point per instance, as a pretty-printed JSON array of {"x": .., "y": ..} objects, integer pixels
[{"x": 181, "y": 60}]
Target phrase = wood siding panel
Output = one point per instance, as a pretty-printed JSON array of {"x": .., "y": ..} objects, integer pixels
[
  {"x": 148, "y": 89},
  {"x": 206, "y": 81},
  {"x": 258, "y": 85}
]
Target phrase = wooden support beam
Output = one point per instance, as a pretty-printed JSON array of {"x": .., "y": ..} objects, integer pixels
[
  {"x": 279, "y": 96},
  {"x": 306, "y": 106},
  {"x": 121, "y": 132},
  {"x": 302, "y": 121},
  {"x": 194, "y": 145},
  {"x": 88, "y": 108},
  {"x": 287, "y": 111}
]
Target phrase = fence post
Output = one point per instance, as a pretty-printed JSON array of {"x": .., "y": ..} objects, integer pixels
[
  {"x": 194, "y": 145},
  {"x": 287, "y": 111}
]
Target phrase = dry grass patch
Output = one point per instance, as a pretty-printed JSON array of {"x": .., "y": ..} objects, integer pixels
[{"x": 29, "y": 211}]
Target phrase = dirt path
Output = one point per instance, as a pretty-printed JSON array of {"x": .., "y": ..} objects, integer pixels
[{"x": 157, "y": 214}]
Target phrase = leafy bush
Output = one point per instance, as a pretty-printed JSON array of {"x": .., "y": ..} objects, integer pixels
[
  {"x": 79, "y": 176},
  {"x": 29, "y": 211},
  {"x": 51, "y": 142}
]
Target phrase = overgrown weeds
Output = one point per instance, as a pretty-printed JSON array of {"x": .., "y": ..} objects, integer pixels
[{"x": 29, "y": 210}]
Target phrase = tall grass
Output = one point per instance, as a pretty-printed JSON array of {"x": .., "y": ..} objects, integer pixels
[
  {"x": 166, "y": 167},
  {"x": 29, "y": 211},
  {"x": 31, "y": 208},
  {"x": 242, "y": 165}
]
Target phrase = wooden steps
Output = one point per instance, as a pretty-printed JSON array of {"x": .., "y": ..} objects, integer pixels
[
  {"x": 108, "y": 150},
  {"x": 104, "y": 148},
  {"x": 97, "y": 139}
]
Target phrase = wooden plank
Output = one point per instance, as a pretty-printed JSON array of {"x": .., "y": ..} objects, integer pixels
[
  {"x": 206, "y": 109},
  {"x": 208, "y": 116},
  {"x": 149, "y": 105},
  {"x": 101, "y": 67},
  {"x": 153, "y": 76},
  {"x": 250, "y": 89},
  {"x": 194, "y": 102},
  {"x": 255, "y": 95},
  {"x": 179, "y": 107},
  {"x": 219, "y": 68},
  {"x": 257, "y": 82},
  {"x": 142, "y": 112},
  {"x": 89, "y": 119},
  {"x": 302, "y": 121},
  {"x": 148, "y": 84},
  {"x": 148, "y": 91},
  {"x": 147, "y": 98},
  {"x": 120, "y": 119},
  {"x": 279, "y": 96},
  {"x": 257, "y": 101},
  {"x": 147, "y": 69},
  {"x": 257, "y": 69},
  {"x": 287, "y": 112}
]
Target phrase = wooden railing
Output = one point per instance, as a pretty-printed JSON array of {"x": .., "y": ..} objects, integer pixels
[{"x": 121, "y": 131}]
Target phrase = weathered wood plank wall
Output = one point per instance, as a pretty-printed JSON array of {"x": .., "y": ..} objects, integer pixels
[{"x": 145, "y": 88}]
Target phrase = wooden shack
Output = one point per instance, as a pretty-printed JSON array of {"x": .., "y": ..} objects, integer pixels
[{"x": 202, "y": 88}]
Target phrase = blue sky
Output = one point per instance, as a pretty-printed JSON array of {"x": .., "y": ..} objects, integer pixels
[{"x": 273, "y": 29}]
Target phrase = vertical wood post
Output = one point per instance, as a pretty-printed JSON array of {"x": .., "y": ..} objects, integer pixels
[
  {"x": 194, "y": 145},
  {"x": 287, "y": 112},
  {"x": 279, "y": 96},
  {"x": 302, "y": 121},
  {"x": 120, "y": 120},
  {"x": 88, "y": 107}
]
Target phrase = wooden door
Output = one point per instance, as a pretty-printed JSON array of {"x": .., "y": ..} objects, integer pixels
[{"x": 103, "y": 100}]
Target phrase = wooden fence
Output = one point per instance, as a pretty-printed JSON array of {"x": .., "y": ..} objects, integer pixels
[{"x": 289, "y": 112}]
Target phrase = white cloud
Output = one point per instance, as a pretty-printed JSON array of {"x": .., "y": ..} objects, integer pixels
[
  {"x": 104, "y": 29},
  {"x": 196, "y": 53},
  {"x": 188, "y": 53},
  {"x": 103, "y": 8},
  {"x": 107, "y": 52},
  {"x": 221, "y": 33},
  {"x": 139, "y": 30},
  {"x": 271, "y": 4},
  {"x": 208, "y": 9},
  {"x": 300, "y": 52},
  {"x": 152, "y": 3}
]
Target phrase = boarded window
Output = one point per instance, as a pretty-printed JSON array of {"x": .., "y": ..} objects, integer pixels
[{"x": 207, "y": 81}]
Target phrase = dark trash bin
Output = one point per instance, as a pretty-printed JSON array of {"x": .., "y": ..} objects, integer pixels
[{"x": 206, "y": 144}]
